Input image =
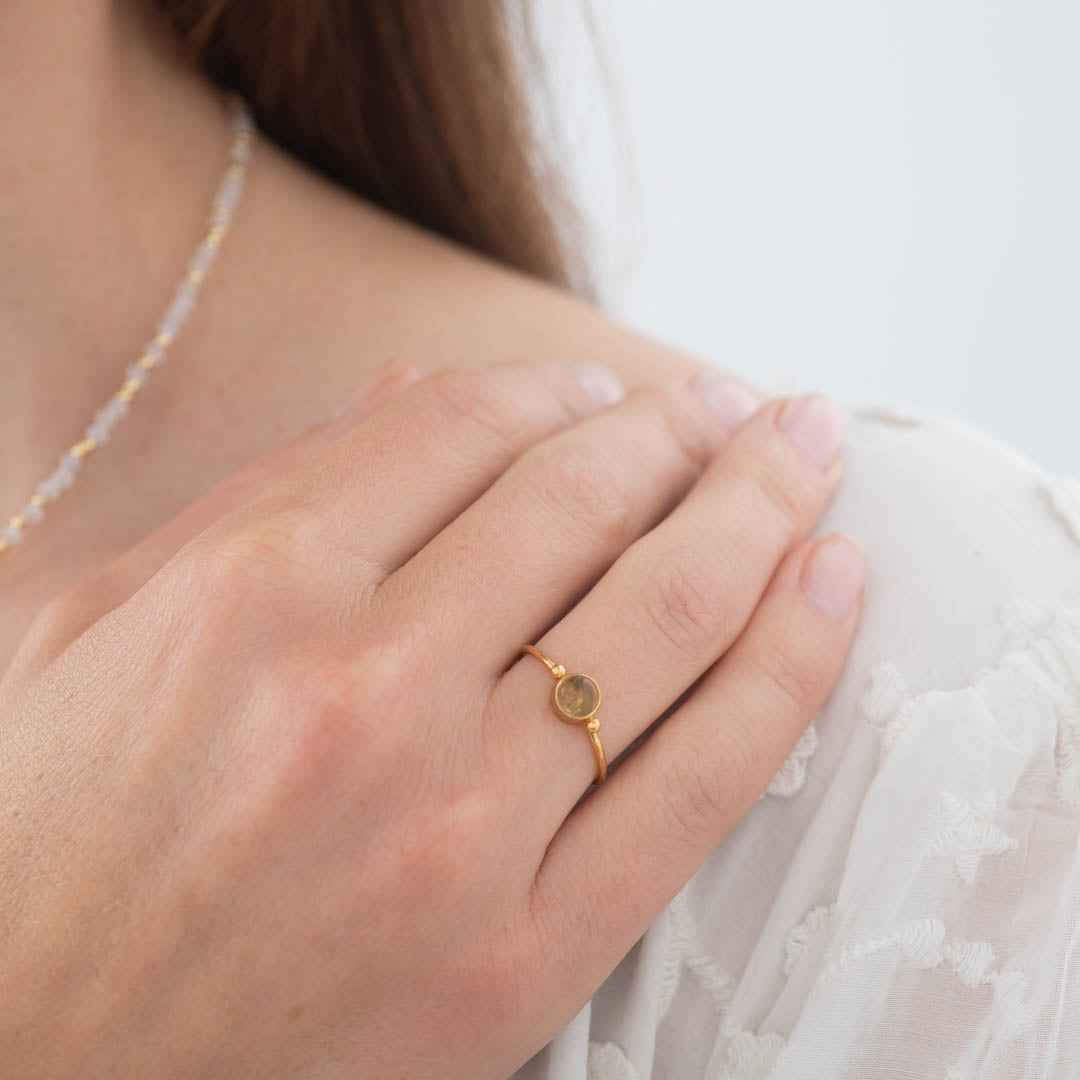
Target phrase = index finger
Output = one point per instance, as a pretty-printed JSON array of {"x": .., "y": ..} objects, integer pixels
[{"x": 90, "y": 599}]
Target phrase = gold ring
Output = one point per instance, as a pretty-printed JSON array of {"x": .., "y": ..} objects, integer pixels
[{"x": 576, "y": 699}]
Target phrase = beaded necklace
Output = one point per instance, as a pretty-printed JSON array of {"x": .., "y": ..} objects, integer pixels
[{"x": 98, "y": 431}]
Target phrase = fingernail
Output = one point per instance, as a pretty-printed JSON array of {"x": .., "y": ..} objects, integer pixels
[
  {"x": 599, "y": 382},
  {"x": 730, "y": 401},
  {"x": 833, "y": 574},
  {"x": 814, "y": 425}
]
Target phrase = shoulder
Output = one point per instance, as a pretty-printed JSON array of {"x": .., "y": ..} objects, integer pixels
[
  {"x": 938, "y": 783},
  {"x": 958, "y": 527}
]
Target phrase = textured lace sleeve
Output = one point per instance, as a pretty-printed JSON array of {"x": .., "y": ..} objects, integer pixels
[{"x": 904, "y": 899}]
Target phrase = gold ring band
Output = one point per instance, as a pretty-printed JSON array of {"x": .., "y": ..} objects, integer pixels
[{"x": 576, "y": 699}]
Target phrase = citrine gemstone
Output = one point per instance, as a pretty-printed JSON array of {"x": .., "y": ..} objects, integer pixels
[{"x": 577, "y": 696}]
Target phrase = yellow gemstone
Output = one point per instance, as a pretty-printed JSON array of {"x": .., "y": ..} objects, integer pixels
[{"x": 577, "y": 696}]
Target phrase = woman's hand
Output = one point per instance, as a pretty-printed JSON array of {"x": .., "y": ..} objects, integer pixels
[{"x": 283, "y": 797}]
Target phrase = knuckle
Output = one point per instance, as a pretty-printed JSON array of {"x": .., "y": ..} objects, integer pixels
[
  {"x": 702, "y": 785},
  {"x": 54, "y": 624},
  {"x": 337, "y": 709},
  {"x": 330, "y": 694},
  {"x": 791, "y": 674},
  {"x": 676, "y": 424},
  {"x": 685, "y": 599},
  {"x": 448, "y": 848},
  {"x": 490, "y": 401},
  {"x": 586, "y": 484},
  {"x": 61, "y": 612},
  {"x": 259, "y": 562},
  {"x": 787, "y": 492}
]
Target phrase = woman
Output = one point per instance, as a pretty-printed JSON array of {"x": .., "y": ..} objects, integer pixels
[{"x": 282, "y": 792}]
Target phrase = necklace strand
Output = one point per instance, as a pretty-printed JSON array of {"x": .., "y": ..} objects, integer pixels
[{"x": 98, "y": 431}]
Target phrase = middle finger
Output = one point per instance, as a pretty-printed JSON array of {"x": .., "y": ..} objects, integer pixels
[
  {"x": 521, "y": 555},
  {"x": 675, "y": 600}
]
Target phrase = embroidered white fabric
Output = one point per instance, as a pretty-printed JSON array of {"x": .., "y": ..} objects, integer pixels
[{"x": 904, "y": 899}]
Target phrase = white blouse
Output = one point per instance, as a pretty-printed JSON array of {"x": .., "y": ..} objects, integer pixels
[{"x": 904, "y": 899}]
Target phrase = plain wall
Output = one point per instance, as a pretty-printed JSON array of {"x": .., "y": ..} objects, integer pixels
[{"x": 874, "y": 198}]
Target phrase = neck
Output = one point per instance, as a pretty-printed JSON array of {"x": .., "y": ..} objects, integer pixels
[{"x": 112, "y": 151}]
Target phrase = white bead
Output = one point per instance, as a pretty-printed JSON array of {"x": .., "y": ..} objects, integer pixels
[
  {"x": 178, "y": 310},
  {"x": 225, "y": 200},
  {"x": 63, "y": 476},
  {"x": 204, "y": 256},
  {"x": 242, "y": 121},
  {"x": 229, "y": 193},
  {"x": 105, "y": 420}
]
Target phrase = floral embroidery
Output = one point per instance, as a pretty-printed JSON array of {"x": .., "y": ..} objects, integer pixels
[
  {"x": 685, "y": 951},
  {"x": 791, "y": 776},
  {"x": 888, "y": 705},
  {"x": 923, "y": 941},
  {"x": 608, "y": 1062},
  {"x": 1038, "y": 668},
  {"x": 749, "y": 1056},
  {"x": 1042, "y": 650},
  {"x": 801, "y": 937},
  {"x": 968, "y": 832}
]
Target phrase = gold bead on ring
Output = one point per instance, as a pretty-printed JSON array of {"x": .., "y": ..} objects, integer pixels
[{"x": 576, "y": 699}]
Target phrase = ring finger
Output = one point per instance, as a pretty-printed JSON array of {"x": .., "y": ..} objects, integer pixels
[{"x": 674, "y": 601}]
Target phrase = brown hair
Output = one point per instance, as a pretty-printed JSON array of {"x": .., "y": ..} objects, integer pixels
[{"x": 421, "y": 106}]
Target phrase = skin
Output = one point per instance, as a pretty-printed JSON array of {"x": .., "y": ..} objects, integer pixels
[
  {"x": 113, "y": 149},
  {"x": 271, "y": 755}
]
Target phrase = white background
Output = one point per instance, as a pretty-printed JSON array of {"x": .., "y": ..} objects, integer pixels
[{"x": 879, "y": 199}]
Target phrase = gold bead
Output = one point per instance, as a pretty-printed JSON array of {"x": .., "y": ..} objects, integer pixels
[
  {"x": 593, "y": 725},
  {"x": 81, "y": 449},
  {"x": 215, "y": 236},
  {"x": 19, "y": 521},
  {"x": 146, "y": 362},
  {"x": 37, "y": 499},
  {"x": 558, "y": 671},
  {"x": 163, "y": 340},
  {"x": 195, "y": 276},
  {"x": 128, "y": 390}
]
